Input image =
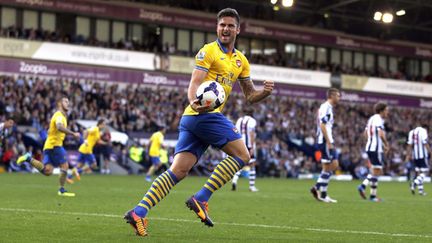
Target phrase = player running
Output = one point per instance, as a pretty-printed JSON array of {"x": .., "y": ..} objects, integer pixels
[
  {"x": 329, "y": 160},
  {"x": 246, "y": 126},
  {"x": 375, "y": 147},
  {"x": 54, "y": 155},
  {"x": 156, "y": 142},
  {"x": 86, "y": 158},
  {"x": 200, "y": 126},
  {"x": 418, "y": 149}
]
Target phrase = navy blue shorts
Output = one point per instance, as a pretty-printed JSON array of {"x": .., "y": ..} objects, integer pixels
[
  {"x": 155, "y": 160},
  {"x": 105, "y": 150},
  {"x": 197, "y": 132},
  {"x": 86, "y": 158},
  {"x": 327, "y": 155},
  {"x": 375, "y": 159},
  {"x": 55, "y": 156},
  {"x": 421, "y": 164}
]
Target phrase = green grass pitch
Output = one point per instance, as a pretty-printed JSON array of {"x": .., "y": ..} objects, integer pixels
[{"x": 283, "y": 211}]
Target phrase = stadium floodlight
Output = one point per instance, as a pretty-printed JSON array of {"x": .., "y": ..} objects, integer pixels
[
  {"x": 273, "y": 2},
  {"x": 401, "y": 12},
  {"x": 287, "y": 3},
  {"x": 387, "y": 18},
  {"x": 377, "y": 16}
]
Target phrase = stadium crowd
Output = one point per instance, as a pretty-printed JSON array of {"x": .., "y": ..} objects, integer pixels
[
  {"x": 130, "y": 109},
  {"x": 153, "y": 44}
]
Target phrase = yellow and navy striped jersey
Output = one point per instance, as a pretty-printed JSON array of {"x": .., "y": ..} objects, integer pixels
[
  {"x": 222, "y": 67},
  {"x": 156, "y": 141},
  {"x": 91, "y": 140},
  {"x": 55, "y": 137}
]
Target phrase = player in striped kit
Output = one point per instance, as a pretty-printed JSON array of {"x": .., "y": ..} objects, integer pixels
[
  {"x": 375, "y": 147},
  {"x": 329, "y": 158},
  {"x": 246, "y": 126},
  {"x": 418, "y": 149}
]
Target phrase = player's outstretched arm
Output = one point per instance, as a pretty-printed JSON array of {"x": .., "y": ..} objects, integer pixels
[
  {"x": 63, "y": 129},
  {"x": 252, "y": 95}
]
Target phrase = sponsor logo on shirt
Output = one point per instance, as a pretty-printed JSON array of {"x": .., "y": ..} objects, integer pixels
[{"x": 200, "y": 56}]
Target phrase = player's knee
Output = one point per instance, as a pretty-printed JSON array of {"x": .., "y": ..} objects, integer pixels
[
  {"x": 245, "y": 158},
  {"x": 180, "y": 173},
  {"x": 47, "y": 171}
]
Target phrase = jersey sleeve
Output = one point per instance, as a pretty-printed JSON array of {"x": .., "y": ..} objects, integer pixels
[
  {"x": 60, "y": 119},
  {"x": 378, "y": 123},
  {"x": 424, "y": 137},
  {"x": 245, "y": 73},
  {"x": 252, "y": 124},
  {"x": 160, "y": 138},
  {"x": 410, "y": 140},
  {"x": 92, "y": 131},
  {"x": 204, "y": 59},
  {"x": 323, "y": 114}
]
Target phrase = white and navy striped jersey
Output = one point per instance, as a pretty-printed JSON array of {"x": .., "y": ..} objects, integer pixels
[
  {"x": 374, "y": 142},
  {"x": 325, "y": 115},
  {"x": 2, "y": 130},
  {"x": 418, "y": 138},
  {"x": 246, "y": 125}
]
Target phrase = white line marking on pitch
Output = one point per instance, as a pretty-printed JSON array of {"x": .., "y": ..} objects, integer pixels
[{"x": 220, "y": 223}]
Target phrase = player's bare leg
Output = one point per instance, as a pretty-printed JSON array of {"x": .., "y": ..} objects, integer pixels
[
  {"x": 62, "y": 180},
  {"x": 152, "y": 170}
]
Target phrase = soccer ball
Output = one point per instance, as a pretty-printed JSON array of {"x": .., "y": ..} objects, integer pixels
[{"x": 210, "y": 94}]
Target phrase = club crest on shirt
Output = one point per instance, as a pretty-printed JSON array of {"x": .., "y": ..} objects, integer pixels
[
  {"x": 200, "y": 56},
  {"x": 238, "y": 63}
]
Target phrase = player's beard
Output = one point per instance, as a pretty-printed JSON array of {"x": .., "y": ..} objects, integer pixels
[
  {"x": 227, "y": 40},
  {"x": 65, "y": 109}
]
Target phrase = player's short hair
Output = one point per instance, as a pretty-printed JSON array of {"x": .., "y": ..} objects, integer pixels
[
  {"x": 331, "y": 92},
  {"x": 61, "y": 97},
  {"x": 100, "y": 121},
  {"x": 380, "y": 107},
  {"x": 229, "y": 12},
  {"x": 424, "y": 124},
  {"x": 248, "y": 110}
]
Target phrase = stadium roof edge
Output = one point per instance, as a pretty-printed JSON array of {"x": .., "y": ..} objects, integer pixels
[{"x": 263, "y": 22}]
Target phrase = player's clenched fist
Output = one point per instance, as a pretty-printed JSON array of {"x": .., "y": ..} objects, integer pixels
[{"x": 268, "y": 86}]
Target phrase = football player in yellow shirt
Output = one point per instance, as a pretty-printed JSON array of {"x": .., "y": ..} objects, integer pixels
[
  {"x": 92, "y": 136},
  {"x": 54, "y": 155},
  {"x": 200, "y": 126},
  {"x": 156, "y": 142}
]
